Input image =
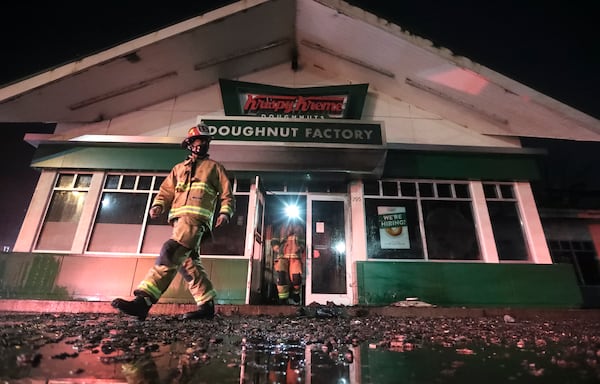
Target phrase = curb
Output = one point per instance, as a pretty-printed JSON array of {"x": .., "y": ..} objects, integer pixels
[{"x": 51, "y": 306}]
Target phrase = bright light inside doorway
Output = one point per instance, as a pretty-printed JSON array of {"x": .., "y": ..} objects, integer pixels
[
  {"x": 292, "y": 211},
  {"x": 340, "y": 247}
]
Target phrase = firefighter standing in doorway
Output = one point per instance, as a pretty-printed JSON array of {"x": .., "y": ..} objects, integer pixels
[{"x": 288, "y": 246}]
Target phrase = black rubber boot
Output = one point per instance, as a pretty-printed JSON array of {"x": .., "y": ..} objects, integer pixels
[
  {"x": 281, "y": 301},
  {"x": 294, "y": 299},
  {"x": 204, "y": 311},
  {"x": 137, "y": 307}
]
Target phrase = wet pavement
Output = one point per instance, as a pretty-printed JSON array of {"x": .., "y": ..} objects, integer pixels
[{"x": 315, "y": 344}]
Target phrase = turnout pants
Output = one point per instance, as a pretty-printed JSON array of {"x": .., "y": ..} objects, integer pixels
[
  {"x": 288, "y": 274},
  {"x": 179, "y": 254}
]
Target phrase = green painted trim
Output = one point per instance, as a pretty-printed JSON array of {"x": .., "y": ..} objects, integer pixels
[
  {"x": 399, "y": 164},
  {"x": 484, "y": 166},
  {"x": 469, "y": 284},
  {"x": 100, "y": 157}
]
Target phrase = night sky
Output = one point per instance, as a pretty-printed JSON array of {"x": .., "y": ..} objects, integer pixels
[{"x": 551, "y": 47}]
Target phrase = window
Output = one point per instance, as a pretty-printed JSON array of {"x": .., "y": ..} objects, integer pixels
[
  {"x": 396, "y": 210},
  {"x": 229, "y": 239},
  {"x": 64, "y": 212},
  {"x": 122, "y": 223},
  {"x": 387, "y": 240},
  {"x": 506, "y": 221},
  {"x": 581, "y": 254},
  {"x": 450, "y": 230},
  {"x": 122, "y": 213}
]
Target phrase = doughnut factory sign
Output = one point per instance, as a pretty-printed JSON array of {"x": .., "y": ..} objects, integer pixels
[
  {"x": 296, "y": 131},
  {"x": 260, "y": 100}
]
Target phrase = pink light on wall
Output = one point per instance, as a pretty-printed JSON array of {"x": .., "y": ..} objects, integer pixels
[{"x": 460, "y": 79}]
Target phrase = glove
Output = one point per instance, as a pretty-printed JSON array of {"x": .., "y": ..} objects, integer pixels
[
  {"x": 155, "y": 211},
  {"x": 222, "y": 219}
]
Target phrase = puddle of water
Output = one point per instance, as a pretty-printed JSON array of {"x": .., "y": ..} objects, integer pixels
[{"x": 230, "y": 362}]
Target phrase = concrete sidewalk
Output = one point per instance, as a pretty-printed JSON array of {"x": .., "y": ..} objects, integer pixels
[{"x": 50, "y": 306}]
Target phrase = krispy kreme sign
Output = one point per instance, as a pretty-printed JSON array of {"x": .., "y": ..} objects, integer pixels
[
  {"x": 259, "y": 100},
  {"x": 295, "y": 106}
]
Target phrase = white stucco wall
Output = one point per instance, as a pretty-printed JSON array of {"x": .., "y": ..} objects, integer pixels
[{"x": 404, "y": 123}]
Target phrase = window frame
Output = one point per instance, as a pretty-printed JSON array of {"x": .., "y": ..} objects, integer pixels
[{"x": 71, "y": 187}]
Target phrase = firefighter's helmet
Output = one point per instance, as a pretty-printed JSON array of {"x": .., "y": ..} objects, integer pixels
[{"x": 199, "y": 131}]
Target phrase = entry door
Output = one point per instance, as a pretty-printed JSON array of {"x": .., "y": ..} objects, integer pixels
[
  {"x": 254, "y": 243},
  {"x": 328, "y": 267}
]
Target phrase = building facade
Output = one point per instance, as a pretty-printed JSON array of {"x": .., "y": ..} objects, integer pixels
[{"x": 405, "y": 189}]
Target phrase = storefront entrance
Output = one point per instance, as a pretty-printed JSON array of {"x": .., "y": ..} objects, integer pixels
[
  {"x": 310, "y": 231},
  {"x": 328, "y": 267}
]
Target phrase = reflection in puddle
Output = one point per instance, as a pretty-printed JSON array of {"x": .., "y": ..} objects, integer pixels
[{"x": 227, "y": 360}]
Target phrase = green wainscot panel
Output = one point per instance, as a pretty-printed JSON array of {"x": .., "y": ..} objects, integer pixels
[
  {"x": 229, "y": 277},
  {"x": 469, "y": 284},
  {"x": 34, "y": 276},
  {"x": 31, "y": 276}
]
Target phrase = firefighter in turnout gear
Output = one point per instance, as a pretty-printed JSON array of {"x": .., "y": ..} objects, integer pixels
[
  {"x": 191, "y": 193},
  {"x": 288, "y": 247}
]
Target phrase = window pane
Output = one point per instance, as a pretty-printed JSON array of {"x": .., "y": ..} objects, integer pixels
[
  {"x": 157, "y": 232},
  {"x": 371, "y": 188},
  {"x": 229, "y": 239},
  {"x": 118, "y": 223},
  {"x": 462, "y": 191},
  {"x": 65, "y": 181},
  {"x": 408, "y": 189},
  {"x": 507, "y": 191},
  {"x": 122, "y": 208},
  {"x": 83, "y": 181},
  {"x": 426, "y": 189},
  {"x": 128, "y": 182},
  {"x": 444, "y": 190},
  {"x": 144, "y": 183},
  {"x": 489, "y": 190},
  {"x": 58, "y": 230},
  {"x": 158, "y": 181},
  {"x": 588, "y": 265},
  {"x": 243, "y": 185},
  {"x": 386, "y": 240},
  {"x": 389, "y": 188},
  {"x": 508, "y": 232},
  {"x": 112, "y": 182},
  {"x": 450, "y": 230}
]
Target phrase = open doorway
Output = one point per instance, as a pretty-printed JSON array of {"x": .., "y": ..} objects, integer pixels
[{"x": 285, "y": 249}]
